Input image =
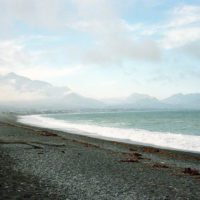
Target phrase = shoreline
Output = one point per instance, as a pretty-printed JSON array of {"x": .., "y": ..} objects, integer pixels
[
  {"x": 111, "y": 139},
  {"x": 85, "y": 167}
]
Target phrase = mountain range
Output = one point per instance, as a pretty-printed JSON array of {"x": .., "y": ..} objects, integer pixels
[{"x": 21, "y": 93}]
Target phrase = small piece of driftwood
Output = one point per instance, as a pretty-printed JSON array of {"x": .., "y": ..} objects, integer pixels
[{"x": 31, "y": 143}]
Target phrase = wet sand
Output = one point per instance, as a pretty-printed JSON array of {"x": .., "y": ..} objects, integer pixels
[{"x": 37, "y": 163}]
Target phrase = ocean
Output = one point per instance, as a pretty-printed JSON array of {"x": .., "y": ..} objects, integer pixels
[{"x": 167, "y": 129}]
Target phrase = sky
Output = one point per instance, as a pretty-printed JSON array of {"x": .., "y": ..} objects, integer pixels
[{"x": 104, "y": 48}]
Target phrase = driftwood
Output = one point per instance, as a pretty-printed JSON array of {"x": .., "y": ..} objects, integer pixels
[{"x": 31, "y": 143}]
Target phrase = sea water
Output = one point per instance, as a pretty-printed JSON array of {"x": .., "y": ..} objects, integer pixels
[{"x": 167, "y": 129}]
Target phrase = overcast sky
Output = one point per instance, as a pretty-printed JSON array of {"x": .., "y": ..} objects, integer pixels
[{"x": 104, "y": 48}]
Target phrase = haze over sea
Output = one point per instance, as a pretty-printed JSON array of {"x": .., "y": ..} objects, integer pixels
[{"x": 167, "y": 129}]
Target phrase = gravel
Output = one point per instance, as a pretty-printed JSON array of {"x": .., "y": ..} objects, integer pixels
[{"x": 82, "y": 171}]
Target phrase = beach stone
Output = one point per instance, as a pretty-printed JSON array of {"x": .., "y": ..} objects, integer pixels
[{"x": 87, "y": 172}]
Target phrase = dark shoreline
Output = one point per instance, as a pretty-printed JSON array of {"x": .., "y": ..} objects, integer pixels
[{"x": 90, "y": 168}]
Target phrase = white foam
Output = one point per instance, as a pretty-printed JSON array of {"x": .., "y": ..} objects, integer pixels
[{"x": 166, "y": 140}]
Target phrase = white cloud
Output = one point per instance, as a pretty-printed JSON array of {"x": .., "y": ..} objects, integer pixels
[
  {"x": 183, "y": 28},
  {"x": 45, "y": 72},
  {"x": 14, "y": 56},
  {"x": 180, "y": 37},
  {"x": 43, "y": 13},
  {"x": 101, "y": 35},
  {"x": 115, "y": 39},
  {"x": 100, "y": 19},
  {"x": 117, "y": 49},
  {"x": 185, "y": 15}
]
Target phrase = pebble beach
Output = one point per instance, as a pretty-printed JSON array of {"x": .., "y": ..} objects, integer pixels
[{"x": 38, "y": 163}]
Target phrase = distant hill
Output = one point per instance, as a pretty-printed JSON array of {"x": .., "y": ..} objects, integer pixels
[
  {"x": 22, "y": 85},
  {"x": 21, "y": 93},
  {"x": 184, "y": 100},
  {"x": 137, "y": 101},
  {"x": 143, "y": 101},
  {"x": 27, "y": 94}
]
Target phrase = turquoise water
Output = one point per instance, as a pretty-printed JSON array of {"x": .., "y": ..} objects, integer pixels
[
  {"x": 185, "y": 122},
  {"x": 168, "y": 129}
]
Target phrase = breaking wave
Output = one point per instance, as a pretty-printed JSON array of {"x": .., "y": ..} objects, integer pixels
[{"x": 161, "y": 139}]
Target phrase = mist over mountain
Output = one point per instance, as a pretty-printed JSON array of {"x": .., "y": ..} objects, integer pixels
[
  {"x": 21, "y": 88},
  {"x": 137, "y": 101},
  {"x": 21, "y": 93},
  {"x": 24, "y": 93},
  {"x": 184, "y": 100}
]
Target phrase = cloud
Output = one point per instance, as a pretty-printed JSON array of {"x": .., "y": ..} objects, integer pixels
[
  {"x": 43, "y": 13},
  {"x": 180, "y": 37},
  {"x": 185, "y": 15},
  {"x": 93, "y": 32},
  {"x": 8, "y": 93},
  {"x": 179, "y": 29},
  {"x": 192, "y": 49},
  {"x": 45, "y": 72},
  {"x": 183, "y": 28},
  {"x": 13, "y": 55},
  {"x": 118, "y": 49},
  {"x": 115, "y": 39},
  {"x": 16, "y": 57}
]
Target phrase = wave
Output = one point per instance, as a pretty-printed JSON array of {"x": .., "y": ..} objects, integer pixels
[{"x": 166, "y": 140}]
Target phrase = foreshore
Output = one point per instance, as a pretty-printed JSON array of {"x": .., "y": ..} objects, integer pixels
[{"x": 39, "y": 163}]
